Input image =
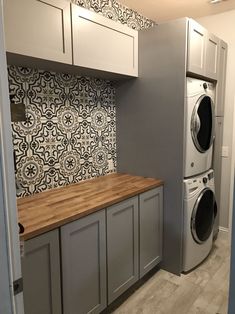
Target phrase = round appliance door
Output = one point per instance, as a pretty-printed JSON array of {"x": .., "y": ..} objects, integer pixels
[
  {"x": 203, "y": 215},
  {"x": 202, "y": 123}
]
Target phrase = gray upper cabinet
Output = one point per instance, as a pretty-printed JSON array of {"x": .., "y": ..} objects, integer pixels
[
  {"x": 100, "y": 43},
  {"x": 212, "y": 56},
  {"x": 122, "y": 247},
  {"x": 41, "y": 274},
  {"x": 196, "y": 47},
  {"x": 150, "y": 232},
  {"x": 59, "y": 31},
  {"x": 39, "y": 29},
  {"x": 203, "y": 51},
  {"x": 83, "y": 250},
  {"x": 220, "y": 88}
]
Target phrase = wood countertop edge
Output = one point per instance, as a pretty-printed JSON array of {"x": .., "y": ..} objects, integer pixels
[{"x": 27, "y": 235}]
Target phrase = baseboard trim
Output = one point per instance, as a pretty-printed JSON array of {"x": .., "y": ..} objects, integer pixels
[{"x": 222, "y": 229}]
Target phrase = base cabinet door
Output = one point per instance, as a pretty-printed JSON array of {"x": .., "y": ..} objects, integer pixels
[
  {"x": 122, "y": 247},
  {"x": 83, "y": 252},
  {"x": 41, "y": 274},
  {"x": 150, "y": 230}
]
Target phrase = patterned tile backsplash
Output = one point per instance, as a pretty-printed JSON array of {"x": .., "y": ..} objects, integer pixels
[
  {"x": 117, "y": 12},
  {"x": 69, "y": 134},
  {"x": 70, "y": 131}
]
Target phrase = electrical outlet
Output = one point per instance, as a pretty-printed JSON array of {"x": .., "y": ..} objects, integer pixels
[
  {"x": 225, "y": 151},
  {"x": 110, "y": 163}
]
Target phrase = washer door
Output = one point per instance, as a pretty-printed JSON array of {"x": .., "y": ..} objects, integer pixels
[
  {"x": 203, "y": 215},
  {"x": 202, "y": 123}
]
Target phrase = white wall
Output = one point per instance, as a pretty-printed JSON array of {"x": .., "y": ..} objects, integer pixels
[{"x": 223, "y": 26}]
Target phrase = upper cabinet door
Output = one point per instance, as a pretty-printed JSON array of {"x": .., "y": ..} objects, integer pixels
[
  {"x": 212, "y": 56},
  {"x": 39, "y": 29},
  {"x": 196, "y": 48},
  {"x": 102, "y": 44}
]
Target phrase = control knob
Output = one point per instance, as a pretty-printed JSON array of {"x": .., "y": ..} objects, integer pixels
[{"x": 204, "y": 180}]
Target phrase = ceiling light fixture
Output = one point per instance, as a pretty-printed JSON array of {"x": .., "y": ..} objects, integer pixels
[{"x": 216, "y": 1}]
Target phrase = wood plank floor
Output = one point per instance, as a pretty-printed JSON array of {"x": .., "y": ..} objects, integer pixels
[{"x": 203, "y": 291}]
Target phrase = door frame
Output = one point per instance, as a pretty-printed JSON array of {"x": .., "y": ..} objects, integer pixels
[{"x": 9, "y": 225}]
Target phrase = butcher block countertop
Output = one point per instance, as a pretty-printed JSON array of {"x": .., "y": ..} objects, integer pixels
[{"x": 51, "y": 209}]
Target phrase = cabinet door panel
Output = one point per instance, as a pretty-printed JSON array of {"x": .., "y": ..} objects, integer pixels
[
  {"x": 41, "y": 274},
  {"x": 150, "y": 215},
  {"x": 39, "y": 29},
  {"x": 122, "y": 247},
  {"x": 196, "y": 48},
  {"x": 217, "y": 164},
  {"x": 212, "y": 55},
  {"x": 102, "y": 44},
  {"x": 83, "y": 246},
  {"x": 221, "y": 84}
]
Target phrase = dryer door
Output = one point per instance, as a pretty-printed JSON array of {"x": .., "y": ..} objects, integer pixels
[
  {"x": 202, "y": 123},
  {"x": 203, "y": 214}
]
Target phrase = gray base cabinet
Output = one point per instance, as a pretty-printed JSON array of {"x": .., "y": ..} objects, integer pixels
[
  {"x": 83, "y": 250},
  {"x": 122, "y": 247},
  {"x": 41, "y": 274},
  {"x": 150, "y": 229},
  {"x": 99, "y": 256}
]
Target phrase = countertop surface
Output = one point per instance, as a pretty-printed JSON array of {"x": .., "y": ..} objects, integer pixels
[{"x": 45, "y": 211}]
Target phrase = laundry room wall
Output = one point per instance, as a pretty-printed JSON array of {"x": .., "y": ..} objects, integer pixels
[
  {"x": 223, "y": 26},
  {"x": 69, "y": 134}
]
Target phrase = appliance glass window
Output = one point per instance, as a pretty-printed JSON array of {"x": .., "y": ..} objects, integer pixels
[
  {"x": 202, "y": 124},
  {"x": 203, "y": 216}
]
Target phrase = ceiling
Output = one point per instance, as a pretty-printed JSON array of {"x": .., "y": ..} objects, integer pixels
[{"x": 164, "y": 10}]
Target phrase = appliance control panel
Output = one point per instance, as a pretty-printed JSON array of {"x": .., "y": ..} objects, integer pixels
[{"x": 192, "y": 185}]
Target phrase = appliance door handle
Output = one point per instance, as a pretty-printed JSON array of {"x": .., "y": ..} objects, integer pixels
[{"x": 197, "y": 124}]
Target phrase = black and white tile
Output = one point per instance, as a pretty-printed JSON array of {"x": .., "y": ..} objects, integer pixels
[
  {"x": 70, "y": 131},
  {"x": 117, "y": 12}
]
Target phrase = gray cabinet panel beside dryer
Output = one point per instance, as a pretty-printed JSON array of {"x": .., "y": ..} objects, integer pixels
[
  {"x": 122, "y": 247},
  {"x": 150, "y": 229},
  {"x": 217, "y": 166},
  {"x": 221, "y": 84},
  {"x": 83, "y": 247},
  {"x": 150, "y": 125},
  {"x": 41, "y": 274}
]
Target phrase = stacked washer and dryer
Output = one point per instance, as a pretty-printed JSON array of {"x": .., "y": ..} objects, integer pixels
[{"x": 200, "y": 207}]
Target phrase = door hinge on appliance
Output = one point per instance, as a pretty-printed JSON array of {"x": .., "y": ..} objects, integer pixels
[{"x": 18, "y": 286}]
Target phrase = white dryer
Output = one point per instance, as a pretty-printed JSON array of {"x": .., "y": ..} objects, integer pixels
[
  {"x": 199, "y": 216},
  {"x": 199, "y": 126}
]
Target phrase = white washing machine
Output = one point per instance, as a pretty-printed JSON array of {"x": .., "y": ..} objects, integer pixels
[
  {"x": 199, "y": 126},
  {"x": 199, "y": 216}
]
